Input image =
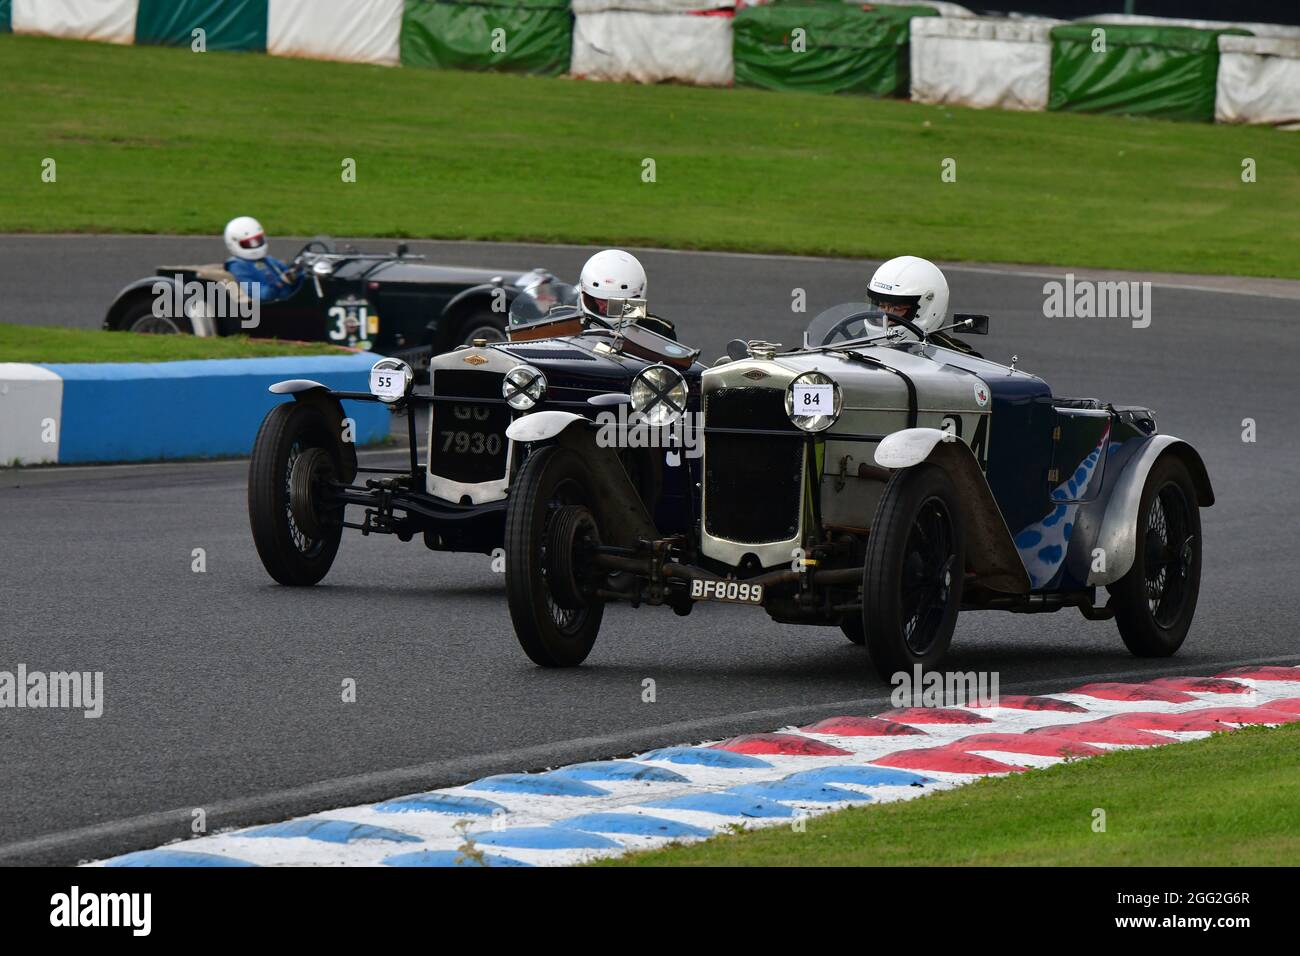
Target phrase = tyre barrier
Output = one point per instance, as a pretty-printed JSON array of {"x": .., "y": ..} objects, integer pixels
[{"x": 61, "y": 414}]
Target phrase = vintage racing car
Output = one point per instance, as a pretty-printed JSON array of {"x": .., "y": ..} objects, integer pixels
[
  {"x": 303, "y": 474},
  {"x": 392, "y": 304},
  {"x": 876, "y": 481}
]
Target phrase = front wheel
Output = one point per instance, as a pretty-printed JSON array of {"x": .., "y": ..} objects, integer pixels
[
  {"x": 1154, "y": 602},
  {"x": 912, "y": 583},
  {"x": 551, "y": 529},
  {"x": 295, "y": 457}
]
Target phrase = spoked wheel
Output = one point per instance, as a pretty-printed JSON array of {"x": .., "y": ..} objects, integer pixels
[
  {"x": 551, "y": 532},
  {"x": 294, "y": 459},
  {"x": 139, "y": 317},
  {"x": 1154, "y": 602},
  {"x": 912, "y": 583}
]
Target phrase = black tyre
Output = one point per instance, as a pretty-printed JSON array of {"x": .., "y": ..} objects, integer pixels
[
  {"x": 852, "y": 628},
  {"x": 912, "y": 583},
  {"x": 551, "y": 505},
  {"x": 481, "y": 323},
  {"x": 1154, "y": 602},
  {"x": 294, "y": 454},
  {"x": 138, "y": 317}
]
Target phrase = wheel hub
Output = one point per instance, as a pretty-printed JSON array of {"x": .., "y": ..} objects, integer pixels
[{"x": 312, "y": 471}]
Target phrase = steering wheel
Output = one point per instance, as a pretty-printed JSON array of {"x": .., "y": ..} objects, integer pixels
[
  {"x": 842, "y": 326},
  {"x": 322, "y": 245}
]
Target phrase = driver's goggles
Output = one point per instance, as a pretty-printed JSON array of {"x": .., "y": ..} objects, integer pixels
[{"x": 253, "y": 242}]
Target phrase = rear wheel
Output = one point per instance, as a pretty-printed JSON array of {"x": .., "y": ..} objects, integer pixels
[
  {"x": 912, "y": 583},
  {"x": 483, "y": 324},
  {"x": 295, "y": 457},
  {"x": 138, "y": 316},
  {"x": 1154, "y": 602},
  {"x": 551, "y": 530}
]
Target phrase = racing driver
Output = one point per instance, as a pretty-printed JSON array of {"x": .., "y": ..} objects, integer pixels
[{"x": 252, "y": 265}]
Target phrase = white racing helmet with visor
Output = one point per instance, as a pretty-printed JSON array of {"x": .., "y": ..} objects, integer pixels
[
  {"x": 611, "y": 274},
  {"x": 910, "y": 288},
  {"x": 246, "y": 239}
]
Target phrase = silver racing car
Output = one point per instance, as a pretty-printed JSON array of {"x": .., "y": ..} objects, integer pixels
[{"x": 878, "y": 480}]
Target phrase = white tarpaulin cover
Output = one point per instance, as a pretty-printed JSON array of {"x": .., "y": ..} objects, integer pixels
[
  {"x": 1259, "y": 81},
  {"x": 649, "y": 6},
  {"x": 982, "y": 62},
  {"x": 945, "y": 9},
  {"x": 652, "y": 47},
  {"x": 112, "y": 21},
  {"x": 1259, "y": 29},
  {"x": 358, "y": 31}
]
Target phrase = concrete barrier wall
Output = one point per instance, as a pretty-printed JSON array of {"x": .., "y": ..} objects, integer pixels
[{"x": 166, "y": 410}]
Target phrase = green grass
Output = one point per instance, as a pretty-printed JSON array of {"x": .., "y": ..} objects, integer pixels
[
  {"x": 27, "y": 343},
  {"x": 1232, "y": 799},
  {"x": 163, "y": 140}
]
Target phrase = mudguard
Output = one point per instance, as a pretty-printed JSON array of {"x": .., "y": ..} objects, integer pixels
[
  {"x": 542, "y": 426},
  {"x": 314, "y": 393},
  {"x": 991, "y": 554},
  {"x": 203, "y": 326},
  {"x": 1117, "y": 535},
  {"x": 484, "y": 290},
  {"x": 624, "y": 517},
  {"x": 462, "y": 302}
]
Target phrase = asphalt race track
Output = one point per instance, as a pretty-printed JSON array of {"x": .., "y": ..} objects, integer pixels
[{"x": 223, "y": 690}]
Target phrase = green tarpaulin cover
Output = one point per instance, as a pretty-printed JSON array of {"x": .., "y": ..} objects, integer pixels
[
  {"x": 6, "y": 26},
  {"x": 534, "y": 37},
  {"x": 846, "y": 48},
  {"x": 228, "y": 24},
  {"x": 1162, "y": 71}
]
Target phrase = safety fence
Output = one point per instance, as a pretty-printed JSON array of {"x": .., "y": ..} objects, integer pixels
[{"x": 932, "y": 52}]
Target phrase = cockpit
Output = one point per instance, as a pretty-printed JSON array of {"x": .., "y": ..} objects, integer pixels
[{"x": 548, "y": 308}]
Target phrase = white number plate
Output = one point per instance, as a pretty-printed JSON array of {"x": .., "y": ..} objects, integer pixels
[
  {"x": 814, "y": 399},
  {"x": 733, "y": 592},
  {"x": 386, "y": 383}
]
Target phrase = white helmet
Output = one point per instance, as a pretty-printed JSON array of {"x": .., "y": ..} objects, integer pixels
[
  {"x": 912, "y": 288},
  {"x": 245, "y": 238},
  {"x": 612, "y": 274}
]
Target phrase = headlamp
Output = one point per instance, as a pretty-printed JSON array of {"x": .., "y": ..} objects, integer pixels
[
  {"x": 391, "y": 380},
  {"x": 523, "y": 387},
  {"x": 659, "y": 393},
  {"x": 813, "y": 401}
]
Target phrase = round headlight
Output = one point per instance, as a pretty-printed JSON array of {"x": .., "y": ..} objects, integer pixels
[
  {"x": 391, "y": 380},
  {"x": 523, "y": 387},
  {"x": 659, "y": 393},
  {"x": 813, "y": 401}
]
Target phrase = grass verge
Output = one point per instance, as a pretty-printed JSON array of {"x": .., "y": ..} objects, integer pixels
[
  {"x": 1231, "y": 799},
  {"x": 164, "y": 140},
  {"x": 28, "y": 343}
]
